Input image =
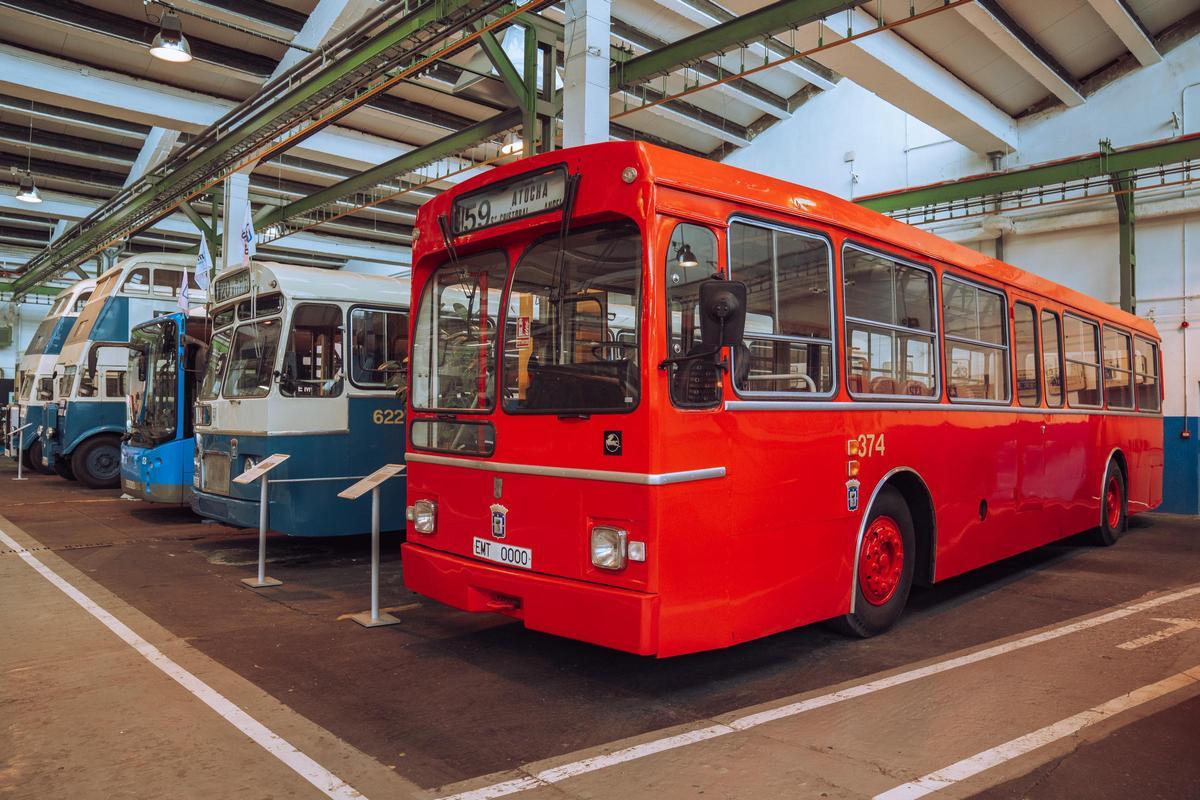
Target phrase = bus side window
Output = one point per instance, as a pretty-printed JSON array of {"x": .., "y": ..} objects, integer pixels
[
  {"x": 312, "y": 363},
  {"x": 1025, "y": 351},
  {"x": 114, "y": 384},
  {"x": 789, "y": 329},
  {"x": 890, "y": 330},
  {"x": 1145, "y": 363},
  {"x": 1052, "y": 359},
  {"x": 1081, "y": 339},
  {"x": 137, "y": 282},
  {"x": 977, "y": 360},
  {"x": 379, "y": 353},
  {"x": 1118, "y": 369},
  {"x": 691, "y": 258},
  {"x": 167, "y": 281}
]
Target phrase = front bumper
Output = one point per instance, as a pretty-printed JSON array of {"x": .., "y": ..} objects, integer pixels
[
  {"x": 617, "y": 618},
  {"x": 229, "y": 510}
]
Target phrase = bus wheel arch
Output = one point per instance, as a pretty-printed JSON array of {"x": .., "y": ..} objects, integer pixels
[
  {"x": 920, "y": 505},
  {"x": 1114, "y": 500}
]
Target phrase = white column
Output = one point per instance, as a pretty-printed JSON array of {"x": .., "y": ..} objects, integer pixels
[
  {"x": 157, "y": 146},
  {"x": 233, "y": 215},
  {"x": 586, "y": 93}
]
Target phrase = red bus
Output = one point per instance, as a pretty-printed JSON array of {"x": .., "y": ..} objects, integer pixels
[{"x": 664, "y": 405}]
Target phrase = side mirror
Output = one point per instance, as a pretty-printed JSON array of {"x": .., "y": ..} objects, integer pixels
[{"x": 722, "y": 313}]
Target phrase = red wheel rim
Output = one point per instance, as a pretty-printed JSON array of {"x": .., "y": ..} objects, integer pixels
[
  {"x": 1112, "y": 503},
  {"x": 881, "y": 561}
]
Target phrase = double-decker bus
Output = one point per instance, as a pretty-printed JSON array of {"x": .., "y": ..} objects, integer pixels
[
  {"x": 664, "y": 405},
  {"x": 35, "y": 380},
  {"x": 309, "y": 363},
  {"x": 166, "y": 355},
  {"x": 81, "y": 434}
]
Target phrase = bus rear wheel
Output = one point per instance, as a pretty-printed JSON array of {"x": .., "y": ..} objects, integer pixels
[
  {"x": 884, "y": 573},
  {"x": 97, "y": 462},
  {"x": 1113, "y": 504}
]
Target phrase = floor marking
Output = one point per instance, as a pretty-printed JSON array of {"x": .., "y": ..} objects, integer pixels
[
  {"x": 1178, "y": 626},
  {"x": 586, "y": 765},
  {"x": 324, "y": 780},
  {"x": 969, "y": 767}
]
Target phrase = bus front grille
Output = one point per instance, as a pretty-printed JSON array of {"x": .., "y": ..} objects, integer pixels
[{"x": 215, "y": 473}]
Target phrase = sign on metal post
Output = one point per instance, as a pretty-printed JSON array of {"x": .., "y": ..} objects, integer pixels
[
  {"x": 20, "y": 460},
  {"x": 371, "y": 483},
  {"x": 256, "y": 472}
]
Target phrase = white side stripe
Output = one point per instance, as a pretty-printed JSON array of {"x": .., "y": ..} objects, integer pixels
[
  {"x": 586, "y": 765},
  {"x": 324, "y": 780},
  {"x": 980, "y": 762}
]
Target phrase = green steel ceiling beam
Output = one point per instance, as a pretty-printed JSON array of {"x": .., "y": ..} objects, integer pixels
[
  {"x": 248, "y": 130},
  {"x": 778, "y": 17},
  {"x": 1092, "y": 165},
  {"x": 390, "y": 170}
]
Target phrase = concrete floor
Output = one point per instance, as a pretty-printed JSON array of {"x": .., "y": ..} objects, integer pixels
[{"x": 448, "y": 703}]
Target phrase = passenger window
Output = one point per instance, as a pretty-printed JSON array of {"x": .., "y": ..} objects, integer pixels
[
  {"x": 312, "y": 363},
  {"x": 889, "y": 326},
  {"x": 788, "y": 347},
  {"x": 691, "y": 259},
  {"x": 1118, "y": 369},
  {"x": 114, "y": 384},
  {"x": 1145, "y": 366},
  {"x": 976, "y": 350},
  {"x": 137, "y": 282},
  {"x": 379, "y": 356},
  {"x": 1082, "y": 346},
  {"x": 1025, "y": 347},
  {"x": 167, "y": 281},
  {"x": 1052, "y": 359},
  {"x": 81, "y": 301}
]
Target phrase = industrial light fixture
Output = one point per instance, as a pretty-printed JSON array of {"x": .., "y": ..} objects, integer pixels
[
  {"x": 28, "y": 193},
  {"x": 514, "y": 145},
  {"x": 169, "y": 43},
  {"x": 685, "y": 257}
]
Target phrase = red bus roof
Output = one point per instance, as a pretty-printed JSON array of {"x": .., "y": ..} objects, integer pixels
[{"x": 714, "y": 179}]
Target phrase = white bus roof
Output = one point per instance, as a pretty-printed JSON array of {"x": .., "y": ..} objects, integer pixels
[
  {"x": 184, "y": 260},
  {"x": 315, "y": 283}
]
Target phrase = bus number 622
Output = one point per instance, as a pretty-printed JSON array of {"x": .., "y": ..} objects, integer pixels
[{"x": 388, "y": 416}]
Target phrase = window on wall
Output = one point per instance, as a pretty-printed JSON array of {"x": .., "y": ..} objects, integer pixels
[
  {"x": 691, "y": 259},
  {"x": 1026, "y": 355},
  {"x": 976, "y": 346},
  {"x": 1145, "y": 369},
  {"x": 1118, "y": 369},
  {"x": 312, "y": 363},
  {"x": 1052, "y": 358},
  {"x": 1081, "y": 343},
  {"x": 789, "y": 332},
  {"x": 379, "y": 355},
  {"x": 890, "y": 327}
]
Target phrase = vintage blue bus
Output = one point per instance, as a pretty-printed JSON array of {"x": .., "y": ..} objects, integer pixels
[
  {"x": 311, "y": 363},
  {"x": 166, "y": 355},
  {"x": 35, "y": 379},
  {"x": 82, "y": 430}
]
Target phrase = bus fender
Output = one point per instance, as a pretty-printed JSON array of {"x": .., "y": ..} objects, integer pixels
[
  {"x": 920, "y": 504},
  {"x": 89, "y": 433}
]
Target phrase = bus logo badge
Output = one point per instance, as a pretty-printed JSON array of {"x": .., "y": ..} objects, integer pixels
[
  {"x": 499, "y": 521},
  {"x": 852, "y": 495},
  {"x": 612, "y": 443}
]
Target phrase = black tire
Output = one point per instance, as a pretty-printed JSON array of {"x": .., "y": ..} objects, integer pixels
[
  {"x": 62, "y": 468},
  {"x": 1114, "y": 504},
  {"x": 35, "y": 457},
  {"x": 97, "y": 462},
  {"x": 27, "y": 460},
  {"x": 879, "y": 601}
]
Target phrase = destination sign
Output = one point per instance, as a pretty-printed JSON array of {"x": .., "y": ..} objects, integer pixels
[
  {"x": 229, "y": 286},
  {"x": 504, "y": 202}
]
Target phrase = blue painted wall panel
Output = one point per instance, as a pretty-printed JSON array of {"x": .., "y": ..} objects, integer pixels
[{"x": 1181, "y": 466}]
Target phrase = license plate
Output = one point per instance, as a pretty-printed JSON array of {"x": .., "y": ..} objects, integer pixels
[{"x": 506, "y": 554}]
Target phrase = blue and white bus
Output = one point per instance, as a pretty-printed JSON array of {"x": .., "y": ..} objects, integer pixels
[
  {"x": 311, "y": 363},
  {"x": 35, "y": 382},
  {"x": 166, "y": 356},
  {"x": 82, "y": 430}
]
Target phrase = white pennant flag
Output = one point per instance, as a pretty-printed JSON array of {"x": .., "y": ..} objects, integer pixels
[
  {"x": 204, "y": 264},
  {"x": 183, "y": 292},
  {"x": 249, "y": 240}
]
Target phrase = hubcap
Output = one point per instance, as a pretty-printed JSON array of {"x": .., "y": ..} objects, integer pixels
[
  {"x": 105, "y": 462},
  {"x": 1112, "y": 503},
  {"x": 881, "y": 562}
]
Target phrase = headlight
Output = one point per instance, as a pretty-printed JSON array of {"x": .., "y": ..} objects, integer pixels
[
  {"x": 423, "y": 515},
  {"x": 608, "y": 547}
]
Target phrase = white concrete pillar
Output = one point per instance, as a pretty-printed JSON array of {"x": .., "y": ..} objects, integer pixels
[
  {"x": 233, "y": 215},
  {"x": 157, "y": 146},
  {"x": 586, "y": 91}
]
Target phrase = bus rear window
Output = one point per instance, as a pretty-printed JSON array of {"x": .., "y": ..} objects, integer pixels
[
  {"x": 452, "y": 436},
  {"x": 571, "y": 334}
]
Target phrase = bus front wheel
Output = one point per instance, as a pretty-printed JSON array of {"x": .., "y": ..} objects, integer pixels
[
  {"x": 97, "y": 462},
  {"x": 884, "y": 573},
  {"x": 1113, "y": 504},
  {"x": 35, "y": 456},
  {"x": 62, "y": 467}
]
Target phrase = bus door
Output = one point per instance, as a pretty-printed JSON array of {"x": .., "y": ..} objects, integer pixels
[{"x": 1030, "y": 428}]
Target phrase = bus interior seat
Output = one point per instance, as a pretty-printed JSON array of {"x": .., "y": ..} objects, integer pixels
[
  {"x": 856, "y": 383},
  {"x": 884, "y": 386}
]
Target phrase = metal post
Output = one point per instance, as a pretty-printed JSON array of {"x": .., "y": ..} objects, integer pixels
[
  {"x": 20, "y": 458},
  {"x": 373, "y": 619},
  {"x": 262, "y": 581},
  {"x": 375, "y": 554}
]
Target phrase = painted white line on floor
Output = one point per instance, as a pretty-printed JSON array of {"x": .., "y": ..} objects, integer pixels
[
  {"x": 324, "y": 780},
  {"x": 586, "y": 765},
  {"x": 969, "y": 767},
  {"x": 1178, "y": 626}
]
